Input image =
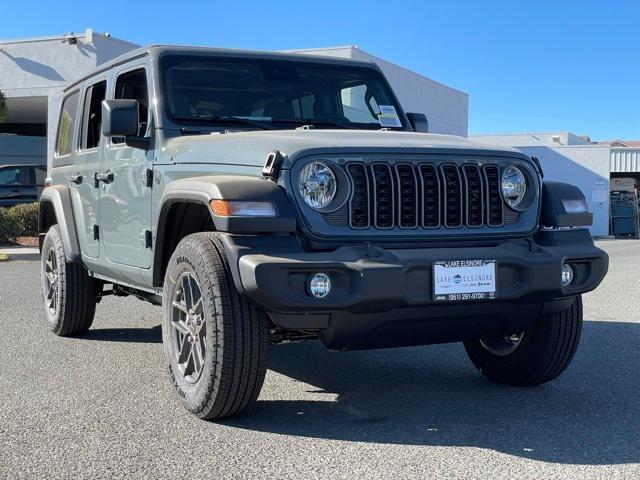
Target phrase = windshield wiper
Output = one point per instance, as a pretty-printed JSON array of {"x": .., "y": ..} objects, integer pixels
[
  {"x": 311, "y": 122},
  {"x": 225, "y": 119}
]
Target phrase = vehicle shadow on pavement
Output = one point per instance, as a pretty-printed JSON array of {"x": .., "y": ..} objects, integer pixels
[
  {"x": 134, "y": 335},
  {"x": 433, "y": 396}
]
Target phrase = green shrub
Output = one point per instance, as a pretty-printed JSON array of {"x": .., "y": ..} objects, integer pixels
[
  {"x": 18, "y": 221},
  {"x": 7, "y": 226}
]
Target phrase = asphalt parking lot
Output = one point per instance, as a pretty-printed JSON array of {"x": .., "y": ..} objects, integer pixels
[{"x": 101, "y": 406}]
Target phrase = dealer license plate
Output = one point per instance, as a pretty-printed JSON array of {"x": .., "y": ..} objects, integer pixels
[{"x": 464, "y": 280}]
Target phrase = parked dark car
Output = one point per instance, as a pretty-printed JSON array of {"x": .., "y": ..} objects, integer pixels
[{"x": 21, "y": 184}]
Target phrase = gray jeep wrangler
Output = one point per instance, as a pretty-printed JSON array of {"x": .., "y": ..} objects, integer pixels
[{"x": 265, "y": 198}]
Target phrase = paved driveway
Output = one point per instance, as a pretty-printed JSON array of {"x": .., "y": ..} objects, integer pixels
[{"x": 101, "y": 406}]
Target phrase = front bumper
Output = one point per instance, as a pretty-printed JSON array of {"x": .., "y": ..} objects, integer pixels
[{"x": 395, "y": 285}]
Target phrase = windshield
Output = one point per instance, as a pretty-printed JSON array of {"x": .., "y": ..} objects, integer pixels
[{"x": 257, "y": 93}]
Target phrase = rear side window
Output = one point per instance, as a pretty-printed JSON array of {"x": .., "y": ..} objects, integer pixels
[
  {"x": 133, "y": 86},
  {"x": 92, "y": 115},
  {"x": 64, "y": 139}
]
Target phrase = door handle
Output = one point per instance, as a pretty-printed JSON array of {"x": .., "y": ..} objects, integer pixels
[
  {"x": 77, "y": 179},
  {"x": 106, "y": 177}
]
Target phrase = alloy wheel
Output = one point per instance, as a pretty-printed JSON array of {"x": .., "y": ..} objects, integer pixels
[
  {"x": 189, "y": 328},
  {"x": 51, "y": 282}
]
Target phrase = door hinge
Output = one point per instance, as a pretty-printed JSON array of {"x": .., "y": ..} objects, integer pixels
[
  {"x": 149, "y": 178},
  {"x": 96, "y": 232},
  {"x": 148, "y": 239}
]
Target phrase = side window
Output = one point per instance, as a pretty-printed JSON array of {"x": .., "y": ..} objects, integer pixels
[
  {"x": 64, "y": 139},
  {"x": 92, "y": 115},
  {"x": 133, "y": 86}
]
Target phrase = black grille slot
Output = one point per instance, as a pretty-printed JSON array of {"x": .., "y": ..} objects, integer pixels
[
  {"x": 473, "y": 190},
  {"x": 452, "y": 196},
  {"x": 359, "y": 202},
  {"x": 430, "y": 196},
  {"x": 383, "y": 195},
  {"x": 494, "y": 198},
  {"x": 407, "y": 196}
]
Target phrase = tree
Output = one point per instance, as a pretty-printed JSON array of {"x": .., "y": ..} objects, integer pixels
[{"x": 4, "y": 111}]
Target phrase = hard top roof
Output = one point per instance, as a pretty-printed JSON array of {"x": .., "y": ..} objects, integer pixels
[{"x": 157, "y": 50}]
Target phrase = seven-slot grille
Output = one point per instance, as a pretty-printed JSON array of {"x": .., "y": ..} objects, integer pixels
[{"x": 406, "y": 195}]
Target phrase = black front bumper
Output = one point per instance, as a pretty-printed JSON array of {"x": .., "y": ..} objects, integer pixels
[{"x": 384, "y": 297}]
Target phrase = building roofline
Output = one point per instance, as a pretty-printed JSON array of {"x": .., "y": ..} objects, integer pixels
[
  {"x": 61, "y": 37},
  {"x": 520, "y": 134},
  {"x": 356, "y": 47}
]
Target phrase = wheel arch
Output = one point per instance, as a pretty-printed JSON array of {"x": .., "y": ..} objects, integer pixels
[
  {"x": 55, "y": 208},
  {"x": 185, "y": 209}
]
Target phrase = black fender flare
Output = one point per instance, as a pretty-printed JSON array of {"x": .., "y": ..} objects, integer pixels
[
  {"x": 553, "y": 213},
  {"x": 58, "y": 198},
  {"x": 202, "y": 190}
]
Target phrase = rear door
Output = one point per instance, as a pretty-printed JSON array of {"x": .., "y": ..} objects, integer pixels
[
  {"x": 88, "y": 156},
  {"x": 125, "y": 200}
]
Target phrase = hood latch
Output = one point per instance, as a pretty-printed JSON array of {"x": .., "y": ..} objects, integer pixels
[{"x": 272, "y": 166}]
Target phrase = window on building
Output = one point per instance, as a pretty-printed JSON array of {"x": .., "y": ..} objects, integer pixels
[
  {"x": 64, "y": 140},
  {"x": 133, "y": 86},
  {"x": 92, "y": 116}
]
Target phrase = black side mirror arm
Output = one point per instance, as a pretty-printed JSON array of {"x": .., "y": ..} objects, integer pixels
[
  {"x": 419, "y": 122},
  {"x": 142, "y": 143}
]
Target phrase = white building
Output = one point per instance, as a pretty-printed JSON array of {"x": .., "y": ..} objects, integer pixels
[
  {"x": 33, "y": 72},
  {"x": 571, "y": 158}
]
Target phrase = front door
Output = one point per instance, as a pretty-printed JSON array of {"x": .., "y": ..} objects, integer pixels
[{"x": 125, "y": 197}]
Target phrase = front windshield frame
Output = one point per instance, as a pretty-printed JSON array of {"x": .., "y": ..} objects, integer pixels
[{"x": 170, "y": 120}]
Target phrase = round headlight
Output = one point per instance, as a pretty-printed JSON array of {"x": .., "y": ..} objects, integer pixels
[
  {"x": 317, "y": 185},
  {"x": 514, "y": 186}
]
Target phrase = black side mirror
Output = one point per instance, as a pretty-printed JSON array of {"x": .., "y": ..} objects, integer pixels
[
  {"x": 119, "y": 118},
  {"x": 418, "y": 122}
]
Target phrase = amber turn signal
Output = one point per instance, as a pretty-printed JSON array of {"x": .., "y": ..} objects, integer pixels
[{"x": 232, "y": 208}]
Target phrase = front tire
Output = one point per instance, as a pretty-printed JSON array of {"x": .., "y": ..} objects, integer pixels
[
  {"x": 69, "y": 293},
  {"x": 215, "y": 341},
  {"x": 532, "y": 357}
]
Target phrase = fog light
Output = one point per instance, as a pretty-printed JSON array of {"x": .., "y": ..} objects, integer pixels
[
  {"x": 567, "y": 274},
  {"x": 319, "y": 285}
]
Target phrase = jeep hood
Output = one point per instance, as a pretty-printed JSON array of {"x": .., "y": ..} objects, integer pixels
[{"x": 252, "y": 148}]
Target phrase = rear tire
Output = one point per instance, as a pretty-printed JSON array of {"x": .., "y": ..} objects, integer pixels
[
  {"x": 537, "y": 355},
  {"x": 69, "y": 293},
  {"x": 216, "y": 342}
]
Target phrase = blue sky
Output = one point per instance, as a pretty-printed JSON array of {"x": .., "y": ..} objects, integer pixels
[{"x": 527, "y": 65}]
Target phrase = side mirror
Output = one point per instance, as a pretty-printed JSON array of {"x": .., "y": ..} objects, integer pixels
[
  {"x": 418, "y": 122},
  {"x": 120, "y": 118}
]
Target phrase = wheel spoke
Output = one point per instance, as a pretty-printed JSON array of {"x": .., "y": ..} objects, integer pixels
[{"x": 181, "y": 327}]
